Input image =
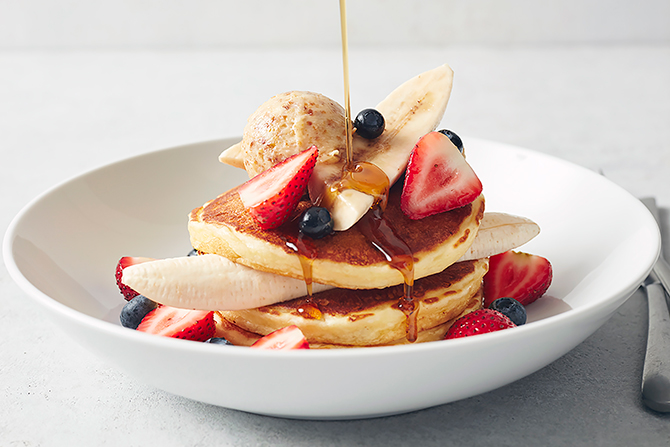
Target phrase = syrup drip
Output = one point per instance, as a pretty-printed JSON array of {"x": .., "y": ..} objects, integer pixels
[
  {"x": 368, "y": 178},
  {"x": 345, "y": 70},
  {"x": 306, "y": 254},
  {"x": 381, "y": 234},
  {"x": 364, "y": 177}
]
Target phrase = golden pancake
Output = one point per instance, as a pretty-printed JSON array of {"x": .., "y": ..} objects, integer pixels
[
  {"x": 342, "y": 317},
  {"x": 343, "y": 259}
]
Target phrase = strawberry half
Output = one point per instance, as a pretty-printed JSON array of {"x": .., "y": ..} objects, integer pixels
[
  {"x": 124, "y": 262},
  {"x": 289, "y": 337},
  {"x": 437, "y": 178},
  {"x": 517, "y": 275},
  {"x": 480, "y": 321},
  {"x": 197, "y": 325},
  {"x": 273, "y": 194}
]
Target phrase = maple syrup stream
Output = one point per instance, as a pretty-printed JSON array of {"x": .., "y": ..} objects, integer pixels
[{"x": 367, "y": 178}]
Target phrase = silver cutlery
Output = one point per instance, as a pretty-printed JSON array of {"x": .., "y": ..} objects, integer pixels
[{"x": 656, "y": 372}]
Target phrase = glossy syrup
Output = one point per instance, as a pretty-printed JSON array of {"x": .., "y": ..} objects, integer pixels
[
  {"x": 345, "y": 69},
  {"x": 306, "y": 254},
  {"x": 369, "y": 179}
]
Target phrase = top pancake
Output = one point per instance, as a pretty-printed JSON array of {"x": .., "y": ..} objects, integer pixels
[{"x": 343, "y": 259}]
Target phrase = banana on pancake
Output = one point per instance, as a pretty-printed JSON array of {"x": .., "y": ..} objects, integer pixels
[
  {"x": 343, "y": 259},
  {"x": 365, "y": 317}
]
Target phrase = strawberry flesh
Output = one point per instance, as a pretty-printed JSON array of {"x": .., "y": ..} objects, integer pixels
[
  {"x": 124, "y": 262},
  {"x": 437, "y": 178},
  {"x": 289, "y": 337},
  {"x": 197, "y": 325},
  {"x": 522, "y": 276},
  {"x": 481, "y": 321},
  {"x": 272, "y": 195}
]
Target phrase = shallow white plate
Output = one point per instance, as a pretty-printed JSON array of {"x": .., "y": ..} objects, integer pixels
[{"x": 63, "y": 247}]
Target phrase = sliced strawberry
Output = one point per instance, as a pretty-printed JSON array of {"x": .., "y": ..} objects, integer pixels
[
  {"x": 480, "y": 321},
  {"x": 517, "y": 275},
  {"x": 437, "y": 178},
  {"x": 124, "y": 262},
  {"x": 289, "y": 337},
  {"x": 197, "y": 325},
  {"x": 273, "y": 194}
]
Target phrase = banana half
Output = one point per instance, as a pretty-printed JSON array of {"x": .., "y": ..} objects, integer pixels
[
  {"x": 410, "y": 111},
  {"x": 212, "y": 282}
]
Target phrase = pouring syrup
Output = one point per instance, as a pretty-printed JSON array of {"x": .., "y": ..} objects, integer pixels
[{"x": 369, "y": 179}]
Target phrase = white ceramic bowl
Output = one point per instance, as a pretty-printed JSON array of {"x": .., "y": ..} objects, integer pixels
[{"x": 63, "y": 247}]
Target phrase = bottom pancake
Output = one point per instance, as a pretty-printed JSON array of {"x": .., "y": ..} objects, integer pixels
[
  {"x": 370, "y": 317},
  {"x": 240, "y": 337}
]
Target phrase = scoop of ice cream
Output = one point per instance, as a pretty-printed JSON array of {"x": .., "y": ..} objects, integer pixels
[{"x": 290, "y": 123}]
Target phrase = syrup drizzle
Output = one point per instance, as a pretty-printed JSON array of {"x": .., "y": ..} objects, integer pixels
[
  {"x": 306, "y": 254},
  {"x": 378, "y": 231},
  {"x": 369, "y": 179},
  {"x": 347, "y": 102}
]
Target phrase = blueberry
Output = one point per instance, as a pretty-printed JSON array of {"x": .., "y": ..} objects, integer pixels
[
  {"x": 511, "y": 308},
  {"x": 316, "y": 223},
  {"x": 454, "y": 138},
  {"x": 135, "y": 309},
  {"x": 193, "y": 252},
  {"x": 369, "y": 123},
  {"x": 218, "y": 341}
]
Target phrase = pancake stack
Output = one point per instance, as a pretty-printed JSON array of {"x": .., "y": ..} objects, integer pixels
[{"x": 363, "y": 309}]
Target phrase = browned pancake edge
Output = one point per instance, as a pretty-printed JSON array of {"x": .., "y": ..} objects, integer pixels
[{"x": 224, "y": 227}]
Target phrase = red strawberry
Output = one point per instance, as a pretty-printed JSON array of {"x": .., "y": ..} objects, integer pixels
[
  {"x": 289, "y": 337},
  {"x": 273, "y": 194},
  {"x": 517, "y": 275},
  {"x": 124, "y": 262},
  {"x": 173, "y": 322},
  {"x": 478, "y": 322},
  {"x": 437, "y": 179}
]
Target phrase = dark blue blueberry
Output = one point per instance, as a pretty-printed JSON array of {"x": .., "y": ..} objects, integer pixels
[
  {"x": 369, "y": 124},
  {"x": 135, "y": 309},
  {"x": 511, "y": 308},
  {"x": 316, "y": 223},
  {"x": 454, "y": 138},
  {"x": 218, "y": 341},
  {"x": 193, "y": 252}
]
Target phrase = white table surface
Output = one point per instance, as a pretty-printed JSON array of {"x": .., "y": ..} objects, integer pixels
[{"x": 61, "y": 113}]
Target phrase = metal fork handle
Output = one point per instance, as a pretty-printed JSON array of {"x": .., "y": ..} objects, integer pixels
[
  {"x": 656, "y": 373},
  {"x": 662, "y": 271},
  {"x": 661, "y": 268}
]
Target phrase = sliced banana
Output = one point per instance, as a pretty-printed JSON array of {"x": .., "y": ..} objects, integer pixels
[
  {"x": 499, "y": 232},
  {"x": 410, "y": 111},
  {"x": 233, "y": 156},
  {"x": 212, "y": 282}
]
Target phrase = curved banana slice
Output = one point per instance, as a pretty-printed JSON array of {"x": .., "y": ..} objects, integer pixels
[
  {"x": 212, "y": 282},
  {"x": 499, "y": 232},
  {"x": 410, "y": 111},
  {"x": 233, "y": 156}
]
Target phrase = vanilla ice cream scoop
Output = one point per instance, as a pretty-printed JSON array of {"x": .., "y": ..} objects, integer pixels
[{"x": 289, "y": 123}]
